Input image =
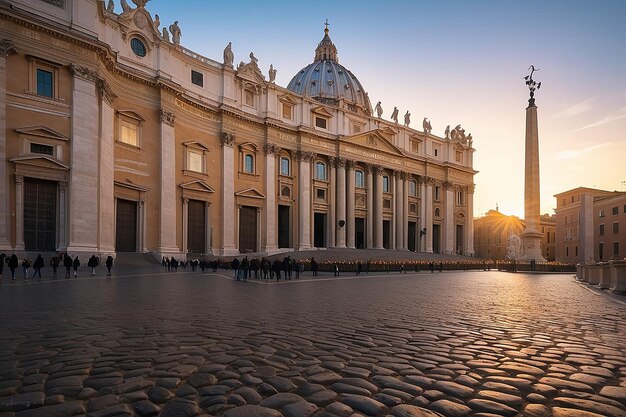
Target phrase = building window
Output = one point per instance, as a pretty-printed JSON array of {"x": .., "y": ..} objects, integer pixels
[
  {"x": 576, "y": 250},
  {"x": 321, "y": 122},
  {"x": 566, "y": 251},
  {"x": 45, "y": 85},
  {"x": 437, "y": 213},
  {"x": 601, "y": 230},
  {"x": 129, "y": 134},
  {"x": 459, "y": 198},
  {"x": 359, "y": 179},
  {"x": 249, "y": 98},
  {"x": 129, "y": 128},
  {"x": 194, "y": 161},
  {"x": 437, "y": 193},
  {"x": 413, "y": 208},
  {"x": 436, "y": 151},
  {"x": 601, "y": 251},
  {"x": 601, "y": 213},
  {"x": 385, "y": 184},
  {"x": 248, "y": 164},
  {"x": 415, "y": 146},
  {"x": 42, "y": 149},
  {"x": 197, "y": 78},
  {"x": 320, "y": 171},
  {"x": 572, "y": 199},
  {"x": 615, "y": 248},
  {"x": 287, "y": 111},
  {"x": 624, "y": 208},
  {"x": 412, "y": 188},
  {"x": 138, "y": 47},
  {"x": 459, "y": 157},
  {"x": 387, "y": 204},
  {"x": 285, "y": 191},
  {"x": 615, "y": 210},
  {"x": 616, "y": 227},
  {"x": 320, "y": 194},
  {"x": 284, "y": 165}
]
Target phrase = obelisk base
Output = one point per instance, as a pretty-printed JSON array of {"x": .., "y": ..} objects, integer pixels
[{"x": 531, "y": 246}]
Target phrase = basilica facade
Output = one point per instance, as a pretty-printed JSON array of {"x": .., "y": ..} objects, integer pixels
[{"x": 116, "y": 138}]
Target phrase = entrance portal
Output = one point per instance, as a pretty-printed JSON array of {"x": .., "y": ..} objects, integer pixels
[
  {"x": 319, "y": 230},
  {"x": 247, "y": 229},
  {"x": 40, "y": 214},
  {"x": 436, "y": 238},
  {"x": 412, "y": 236},
  {"x": 386, "y": 234},
  {"x": 284, "y": 231},
  {"x": 459, "y": 239},
  {"x": 126, "y": 226},
  {"x": 196, "y": 226},
  {"x": 359, "y": 232}
]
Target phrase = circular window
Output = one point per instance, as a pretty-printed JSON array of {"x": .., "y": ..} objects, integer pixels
[{"x": 138, "y": 47}]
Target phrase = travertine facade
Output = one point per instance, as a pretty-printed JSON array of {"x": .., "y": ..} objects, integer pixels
[{"x": 113, "y": 138}]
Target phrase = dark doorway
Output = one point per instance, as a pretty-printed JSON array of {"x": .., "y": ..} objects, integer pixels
[
  {"x": 459, "y": 239},
  {"x": 126, "y": 226},
  {"x": 412, "y": 238},
  {"x": 196, "y": 226},
  {"x": 319, "y": 230},
  {"x": 436, "y": 238},
  {"x": 359, "y": 232},
  {"x": 284, "y": 231},
  {"x": 247, "y": 229},
  {"x": 40, "y": 214},
  {"x": 386, "y": 234}
]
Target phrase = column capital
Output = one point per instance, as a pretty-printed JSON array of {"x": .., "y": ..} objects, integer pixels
[
  {"x": 62, "y": 185},
  {"x": 167, "y": 117},
  {"x": 185, "y": 200},
  {"x": 447, "y": 185},
  {"x": 19, "y": 179},
  {"x": 84, "y": 73},
  {"x": 305, "y": 155},
  {"x": 427, "y": 180},
  {"x": 271, "y": 149},
  {"x": 404, "y": 175},
  {"x": 350, "y": 164},
  {"x": 227, "y": 139},
  {"x": 106, "y": 93},
  {"x": 377, "y": 169},
  {"x": 7, "y": 48},
  {"x": 339, "y": 162}
]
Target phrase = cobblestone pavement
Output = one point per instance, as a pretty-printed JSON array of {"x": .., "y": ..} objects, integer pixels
[{"x": 186, "y": 344}]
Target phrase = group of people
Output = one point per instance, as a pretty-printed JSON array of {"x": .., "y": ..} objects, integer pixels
[
  {"x": 246, "y": 269},
  {"x": 62, "y": 259}
]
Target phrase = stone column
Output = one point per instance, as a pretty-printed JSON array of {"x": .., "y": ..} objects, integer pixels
[
  {"x": 350, "y": 220},
  {"x": 469, "y": 234},
  {"x": 378, "y": 208},
  {"x": 428, "y": 211},
  {"x": 405, "y": 212},
  {"x": 228, "y": 195},
  {"x": 141, "y": 219},
  {"x": 399, "y": 211},
  {"x": 393, "y": 222},
  {"x": 185, "y": 224},
  {"x": 208, "y": 248},
  {"x": 258, "y": 229},
  {"x": 6, "y": 48},
  {"x": 449, "y": 202},
  {"x": 332, "y": 221},
  {"x": 106, "y": 244},
  {"x": 422, "y": 215},
  {"x": 19, "y": 212},
  {"x": 341, "y": 201},
  {"x": 271, "y": 238},
  {"x": 304, "y": 198},
  {"x": 84, "y": 174},
  {"x": 370, "y": 207},
  {"x": 63, "y": 220},
  {"x": 167, "y": 233}
]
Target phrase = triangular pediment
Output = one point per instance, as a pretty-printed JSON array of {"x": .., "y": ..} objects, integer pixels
[
  {"x": 287, "y": 98},
  {"x": 42, "y": 131},
  {"x": 250, "y": 193},
  {"x": 43, "y": 161},
  {"x": 197, "y": 185},
  {"x": 250, "y": 72},
  {"x": 321, "y": 111},
  {"x": 131, "y": 114},
  {"x": 374, "y": 139},
  {"x": 196, "y": 144}
]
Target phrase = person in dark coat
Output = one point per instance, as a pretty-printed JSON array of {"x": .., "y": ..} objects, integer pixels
[
  {"x": 245, "y": 267},
  {"x": 37, "y": 265},
  {"x": 235, "y": 266},
  {"x": 109, "y": 264},
  {"x": 93, "y": 263},
  {"x": 287, "y": 267},
  {"x": 75, "y": 265},
  {"x": 336, "y": 269},
  {"x": 358, "y": 267},
  {"x": 174, "y": 264},
  {"x": 54, "y": 263},
  {"x": 2, "y": 262},
  {"x": 25, "y": 266},
  {"x": 265, "y": 267},
  {"x": 276, "y": 266},
  {"x": 255, "y": 265},
  {"x": 314, "y": 266},
  {"x": 67, "y": 263},
  {"x": 13, "y": 263}
]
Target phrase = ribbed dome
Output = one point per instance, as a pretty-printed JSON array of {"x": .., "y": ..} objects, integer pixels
[{"x": 328, "y": 81}]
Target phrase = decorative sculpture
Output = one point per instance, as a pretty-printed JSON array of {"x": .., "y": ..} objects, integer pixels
[
  {"x": 469, "y": 140},
  {"x": 156, "y": 23},
  {"x": 407, "y": 118},
  {"x": 447, "y": 132},
  {"x": 532, "y": 85},
  {"x": 379, "y": 110},
  {"x": 394, "y": 115},
  {"x": 110, "y": 6},
  {"x": 229, "y": 57},
  {"x": 272, "y": 73},
  {"x": 166, "y": 35},
  {"x": 426, "y": 126},
  {"x": 125, "y": 7},
  {"x": 175, "y": 30},
  {"x": 253, "y": 59}
]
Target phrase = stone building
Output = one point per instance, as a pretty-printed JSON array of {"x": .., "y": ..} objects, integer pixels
[
  {"x": 492, "y": 233},
  {"x": 590, "y": 225},
  {"x": 114, "y": 137}
]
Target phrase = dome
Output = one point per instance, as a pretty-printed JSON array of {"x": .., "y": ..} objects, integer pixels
[{"x": 327, "y": 81}]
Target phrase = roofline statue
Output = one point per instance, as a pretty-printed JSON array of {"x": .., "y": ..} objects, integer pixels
[{"x": 532, "y": 85}]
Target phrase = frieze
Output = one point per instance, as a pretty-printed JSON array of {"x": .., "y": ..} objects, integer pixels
[
  {"x": 84, "y": 73},
  {"x": 167, "y": 117},
  {"x": 7, "y": 48},
  {"x": 228, "y": 139},
  {"x": 271, "y": 149},
  {"x": 286, "y": 136},
  {"x": 195, "y": 111}
]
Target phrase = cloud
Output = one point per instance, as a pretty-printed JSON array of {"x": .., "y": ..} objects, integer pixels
[
  {"x": 576, "y": 109},
  {"x": 607, "y": 119},
  {"x": 574, "y": 153}
]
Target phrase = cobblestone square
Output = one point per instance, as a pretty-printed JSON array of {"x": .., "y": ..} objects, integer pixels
[{"x": 151, "y": 343}]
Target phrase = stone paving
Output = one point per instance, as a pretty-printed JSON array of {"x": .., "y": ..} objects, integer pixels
[{"x": 185, "y": 344}]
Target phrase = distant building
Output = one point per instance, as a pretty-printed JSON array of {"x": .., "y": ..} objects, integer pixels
[
  {"x": 588, "y": 225},
  {"x": 492, "y": 233}
]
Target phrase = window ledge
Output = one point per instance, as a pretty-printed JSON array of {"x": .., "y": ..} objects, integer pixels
[
  {"x": 42, "y": 99},
  {"x": 197, "y": 174}
]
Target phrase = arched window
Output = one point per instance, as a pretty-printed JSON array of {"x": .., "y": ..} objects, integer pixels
[
  {"x": 320, "y": 171},
  {"x": 284, "y": 165},
  {"x": 359, "y": 179},
  {"x": 385, "y": 184},
  {"x": 412, "y": 188},
  {"x": 248, "y": 165}
]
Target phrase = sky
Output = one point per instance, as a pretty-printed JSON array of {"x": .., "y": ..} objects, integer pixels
[{"x": 456, "y": 62}]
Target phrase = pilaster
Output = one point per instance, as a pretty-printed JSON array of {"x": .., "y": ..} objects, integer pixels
[
  {"x": 332, "y": 221},
  {"x": 167, "y": 237},
  {"x": 350, "y": 219},
  {"x": 271, "y": 238},
  {"x": 469, "y": 235},
  {"x": 106, "y": 243},
  {"x": 369, "y": 235},
  {"x": 228, "y": 195},
  {"x": 378, "y": 208},
  {"x": 399, "y": 211},
  {"x": 304, "y": 198},
  {"x": 449, "y": 229},
  {"x": 428, "y": 214},
  {"x": 341, "y": 201}
]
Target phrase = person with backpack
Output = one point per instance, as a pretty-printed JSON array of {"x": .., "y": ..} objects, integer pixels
[
  {"x": 67, "y": 263},
  {"x": 37, "y": 265},
  {"x": 13, "y": 263},
  {"x": 93, "y": 263},
  {"x": 54, "y": 263},
  {"x": 25, "y": 266},
  {"x": 76, "y": 264},
  {"x": 109, "y": 264}
]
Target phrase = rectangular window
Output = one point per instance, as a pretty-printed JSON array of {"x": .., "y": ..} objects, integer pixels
[
  {"x": 601, "y": 251},
  {"x": 320, "y": 122},
  {"x": 436, "y": 152},
  {"x": 44, "y": 83},
  {"x": 624, "y": 208},
  {"x": 385, "y": 184},
  {"x": 601, "y": 230},
  {"x": 415, "y": 146},
  {"x": 359, "y": 179},
  {"x": 459, "y": 198},
  {"x": 197, "y": 78},
  {"x": 194, "y": 161},
  {"x": 437, "y": 193},
  {"x": 576, "y": 250},
  {"x": 601, "y": 213},
  {"x": 459, "y": 157},
  {"x": 413, "y": 188},
  {"x": 287, "y": 111},
  {"x": 284, "y": 166},
  {"x": 42, "y": 149},
  {"x": 566, "y": 251},
  {"x": 320, "y": 194},
  {"x": 615, "y": 210},
  {"x": 387, "y": 204},
  {"x": 615, "y": 248},
  {"x": 616, "y": 227},
  {"x": 129, "y": 133},
  {"x": 249, "y": 97}
]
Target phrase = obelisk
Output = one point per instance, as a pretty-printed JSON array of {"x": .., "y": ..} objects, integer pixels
[{"x": 531, "y": 236}]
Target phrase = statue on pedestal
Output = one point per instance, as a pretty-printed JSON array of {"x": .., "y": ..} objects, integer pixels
[
  {"x": 407, "y": 118},
  {"x": 175, "y": 30},
  {"x": 447, "y": 132},
  {"x": 394, "y": 114},
  {"x": 272, "y": 73},
  {"x": 379, "y": 110},
  {"x": 229, "y": 57},
  {"x": 426, "y": 126}
]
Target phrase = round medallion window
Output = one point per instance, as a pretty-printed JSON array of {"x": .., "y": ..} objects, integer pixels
[{"x": 138, "y": 47}]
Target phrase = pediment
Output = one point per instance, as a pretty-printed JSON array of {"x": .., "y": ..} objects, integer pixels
[
  {"x": 374, "y": 139},
  {"x": 321, "y": 111},
  {"x": 250, "y": 193},
  {"x": 138, "y": 20},
  {"x": 43, "y": 132},
  {"x": 287, "y": 98},
  {"x": 131, "y": 115},
  {"x": 197, "y": 185},
  {"x": 129, "y": 184},
  {"x": 250, "y": 72},
  {"x": 196, "y": 144},
  {"x": 42, "y": 161}
]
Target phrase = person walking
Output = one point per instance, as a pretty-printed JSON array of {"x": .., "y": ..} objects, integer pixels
[
  {"x": 336, "y": 269},
  {"x": 54, "y": 263},
  {"x": 25, "y": 266},
  {"x": 93, "y": 263},
  {"x": 75, "y": 265},
  {"x": 37, "y": 265},
  {"x": 314, "y": 266},
  {"x": 287, "y": 267},
  {"x": 109, "y": 264},
  {"x": 13, "y": 263},
  {"x": 276, "y": 266},
  {"x": 245, "y": 267},
  {"x": 67, "y": 263},
  {"x": 358, "y": 267},
  {"x": 2, "y": 261}
]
